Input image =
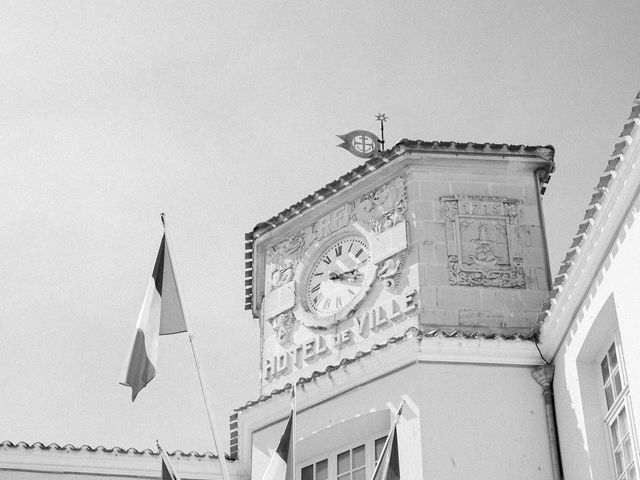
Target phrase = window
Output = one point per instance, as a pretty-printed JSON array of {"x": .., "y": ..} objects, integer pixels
[
  {"x": 618, "y": 415},
  {"x": 316, "y": 471},
  {"x": 354, "y": 462},
  {"x": 379, "y": 445},
  {"x": 351, "y": 464},
  {"x": 611, "y": 376}
]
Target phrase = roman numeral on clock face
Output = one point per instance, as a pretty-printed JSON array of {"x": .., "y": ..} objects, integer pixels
[{"x": 317, "y": 299}]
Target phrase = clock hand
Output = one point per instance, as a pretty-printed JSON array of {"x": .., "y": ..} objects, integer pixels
[
  {"x": 351, "y": 281},
  {"x": 355, "y": 270},
  {"x": 358, "y": 266},
  {"x": 351, "y": 275}
]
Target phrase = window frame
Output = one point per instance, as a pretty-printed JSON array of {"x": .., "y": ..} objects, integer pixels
[
  {"x": 332, "y": 456},
  {"x": 621, "y": 402}
]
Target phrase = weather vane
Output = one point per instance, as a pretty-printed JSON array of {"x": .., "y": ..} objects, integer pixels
[
  {"x": 382, "y": 117},
  {"x": 362, "y": 143}
]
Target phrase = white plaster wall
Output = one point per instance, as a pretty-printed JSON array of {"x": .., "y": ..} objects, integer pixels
[
  {"x": 461, "y": 421},
  {"x": 611, "y": 304}
]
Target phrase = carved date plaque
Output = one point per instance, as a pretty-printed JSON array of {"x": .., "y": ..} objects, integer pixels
[{"x": 482, "y": 244}]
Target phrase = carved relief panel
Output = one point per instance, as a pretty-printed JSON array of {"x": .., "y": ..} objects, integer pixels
[{"x": 482, "y": 241}]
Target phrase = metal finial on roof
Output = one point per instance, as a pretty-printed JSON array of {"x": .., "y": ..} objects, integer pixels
[{"x": 382, "y": 117}]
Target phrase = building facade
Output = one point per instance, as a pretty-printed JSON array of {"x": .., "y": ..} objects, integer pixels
[
  {"x": 589, "y": 325},
  {"x": 418, "y": 276},
  {"x": 422, "y": 276}
]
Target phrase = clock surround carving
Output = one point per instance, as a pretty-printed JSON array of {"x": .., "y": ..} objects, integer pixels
[
  {"x": 482, "y": 241},
  {"x": 377, "y": 216},
  {"x": 389, "y": 271}
]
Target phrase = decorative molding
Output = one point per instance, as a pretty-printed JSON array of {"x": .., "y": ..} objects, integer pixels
[{"x": 483, "y": 245}]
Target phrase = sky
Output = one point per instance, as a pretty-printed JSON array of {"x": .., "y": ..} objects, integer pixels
[{"x": 222, "y": 114}]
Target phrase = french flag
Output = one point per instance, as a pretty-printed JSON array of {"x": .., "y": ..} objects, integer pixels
[
  {"x": 388, "y": 466},
  {"x": 281, "y": 465},
  {"x": 161, "y": 314}
]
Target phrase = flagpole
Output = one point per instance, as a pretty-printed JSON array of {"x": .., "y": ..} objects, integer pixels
[
  {"x": 216, "y": 439},
  {"x": 293, "y": 432},
  {"x": 386, "y": 442},
  {"x": 165, "y": 457}
]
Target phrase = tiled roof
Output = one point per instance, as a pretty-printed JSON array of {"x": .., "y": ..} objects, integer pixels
[
  {"x": 101, "y": 449},
  {"x": 412, "y": 332},
  {"x": 376, "y": 162},
  {"x": 591, "y": 214}
]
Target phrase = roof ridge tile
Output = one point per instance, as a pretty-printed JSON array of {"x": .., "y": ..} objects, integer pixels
[
  {"x": 592, "y": 210},
  {"x": 73, "y": 448}
]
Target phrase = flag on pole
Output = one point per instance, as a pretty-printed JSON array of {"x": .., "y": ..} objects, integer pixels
[
  {"x": 161, "y": 314},
  {"x": 168, "y": 473},
  {"x": 389, "y": 466},
  {"x": 281, "y": 464}
]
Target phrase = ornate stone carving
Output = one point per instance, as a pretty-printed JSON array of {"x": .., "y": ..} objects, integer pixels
[
  {"x": 389, "y": 271},
  {"x": 383, "y": 207},
  {"x": 482, "y": 241},
  {"x": 283, "y": 258},
  {"x": 513, "y": 278},
  {"x": 283, "y": 327}
]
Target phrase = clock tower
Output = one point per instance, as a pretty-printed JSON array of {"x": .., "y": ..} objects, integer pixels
[{"x": 418, "y": 276}]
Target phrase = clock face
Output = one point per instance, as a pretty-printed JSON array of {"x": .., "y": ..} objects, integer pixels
[{"x": 337, "y": 276}]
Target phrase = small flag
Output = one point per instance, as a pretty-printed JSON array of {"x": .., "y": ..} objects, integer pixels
[
  {"x": 360, "y": 143},
  {"x": 388, "y": 466},
  {"x": 168, "y": 473},
  {"x": 161, "y": 314},
  {"x": 281, "y": 466}
]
